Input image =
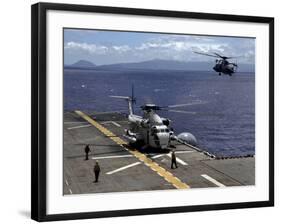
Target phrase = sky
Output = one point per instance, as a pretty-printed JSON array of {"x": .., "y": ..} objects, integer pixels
[{"x": 110, "y": 47}]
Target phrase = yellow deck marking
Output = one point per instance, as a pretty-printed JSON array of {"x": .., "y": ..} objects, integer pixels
[{"x": 177, "y": 183}]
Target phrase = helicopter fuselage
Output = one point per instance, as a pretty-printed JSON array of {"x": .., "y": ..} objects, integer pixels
[
  {"x": 225, "y": 67},
  {"x": 149, "y": 130},
  {"x": 222, "y": 65}
]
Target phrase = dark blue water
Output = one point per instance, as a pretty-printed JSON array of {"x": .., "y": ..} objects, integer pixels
[{"x": 224, "y": 123}]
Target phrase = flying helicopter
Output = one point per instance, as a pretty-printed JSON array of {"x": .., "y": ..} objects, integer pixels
[
  {"x": 151, "y": 130},
  {"x": 222, "y": 64}
]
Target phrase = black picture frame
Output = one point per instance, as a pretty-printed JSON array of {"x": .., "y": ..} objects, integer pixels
[{"x": 39, "y": 114}]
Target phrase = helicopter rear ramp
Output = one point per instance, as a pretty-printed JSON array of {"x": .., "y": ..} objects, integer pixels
[{"x": 125, "y": 169}]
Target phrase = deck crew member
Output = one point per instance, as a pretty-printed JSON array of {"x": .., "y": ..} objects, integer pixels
[
  {"x": 96, "y": 171},
  {"x": 87, "y": 150},
  {"x": 174, "y": 160}
]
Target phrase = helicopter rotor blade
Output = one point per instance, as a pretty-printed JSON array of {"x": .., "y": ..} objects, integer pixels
[
  {"x": 198, "y": 102},
  {"x": 209, "y": 114},
  {"x": 215, "y": 55},
  {"x": 225, "y": 57},
  {"x": 186, "y": 104},
  {"x": 220, "y": 56},
  {"x": 121, "y": 97},
  {"x": 182, "y": 111},
  {"x": 202, "y": 53},
  {"x": 179, "y": 111}
]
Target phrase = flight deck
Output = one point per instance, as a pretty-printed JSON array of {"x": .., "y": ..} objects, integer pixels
[{"x": 125, "y": 168}]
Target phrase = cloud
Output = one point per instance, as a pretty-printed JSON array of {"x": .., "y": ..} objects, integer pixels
[
  {"x": 96, "y": 49},
  {"x": 182, "y": 44},
  {"x": 121, "y": 49},
  {"x": 169, "y": 47},
  {"x": 91, "y": 48}
]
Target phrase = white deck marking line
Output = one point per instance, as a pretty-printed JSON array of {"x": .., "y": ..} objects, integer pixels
[
  {"x": 81, "y": 126},
  {"x": 178, "y": 160},
  {"x": 123, "y": 168},
  {"x": 66, "y": 182},
  {"x": 112, "y": 122},
  {"x": 70, "y": 191},
  {"x": 212, "y": 180},
  {"x": 181, "y": 152},
  {"x": 116, "y": 124},
  {"x": 105, "y": 122},
  {"x": 157, "y": 156},
  {"x": 112, "y": 157},
  {"x": 124, "y": 147},
  {"x": 131, "y": 165}
]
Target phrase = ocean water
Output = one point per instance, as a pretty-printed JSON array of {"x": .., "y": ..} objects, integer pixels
[{"x": 221, "y": 115}]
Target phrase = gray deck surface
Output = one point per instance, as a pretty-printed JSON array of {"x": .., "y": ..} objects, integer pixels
[{"x": 194, "y": 168}]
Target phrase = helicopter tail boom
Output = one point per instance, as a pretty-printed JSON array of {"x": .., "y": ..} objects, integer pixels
[{"x": 130, "y": 102}]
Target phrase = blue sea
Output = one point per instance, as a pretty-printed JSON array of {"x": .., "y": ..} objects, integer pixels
[{"x": 221, "y": 115}]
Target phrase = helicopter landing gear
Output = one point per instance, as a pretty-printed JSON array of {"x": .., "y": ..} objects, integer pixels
[
  {"x": 230, "y": 74},
  {"x": 219, "y": 73}
]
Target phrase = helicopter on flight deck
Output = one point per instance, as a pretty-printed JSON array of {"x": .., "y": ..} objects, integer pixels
[
  {"x": 151, "y": 130},
  {"x": 222, "y": 64}
]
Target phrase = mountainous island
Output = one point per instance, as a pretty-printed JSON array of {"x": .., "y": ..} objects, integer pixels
[
  {"x": 82, "y": 64},
  {"x": 156, "y": 64}
]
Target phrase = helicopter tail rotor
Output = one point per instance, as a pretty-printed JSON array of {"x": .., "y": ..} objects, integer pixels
[
  {"x": 133, "y": 98},
  {"x": 133, "y": 95}
]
